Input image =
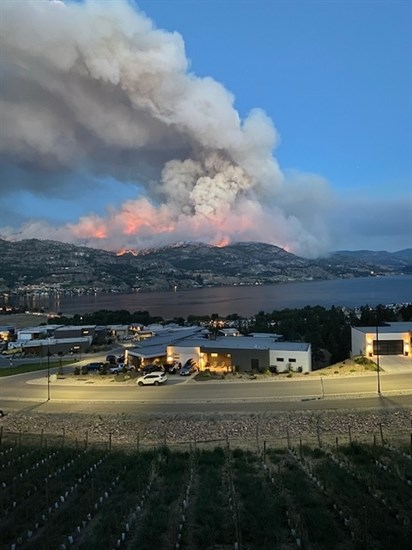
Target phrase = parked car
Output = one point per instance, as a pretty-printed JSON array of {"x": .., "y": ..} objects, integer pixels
[
  {"x": 115, "y": 369},
  {"x": 171, "y": 369},
  {"x": 188, "y": 368},
  {"x": 152, "y": 368},
  {"x": 153, "y": 378},
  {"x": 111, "y": 359},
  {"x": 121, "y": 367},
  {"x": 94, "y": 367}
]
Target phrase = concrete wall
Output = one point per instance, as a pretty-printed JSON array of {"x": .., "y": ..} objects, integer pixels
[
  {"x": 358, "y": 342},
  {"x": 243, "y": 359},
  {"x": 291, "y": 361},
  {"x": 74, "y": 332}
]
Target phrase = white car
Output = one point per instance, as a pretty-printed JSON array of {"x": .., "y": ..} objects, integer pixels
[{"x": 153, "y": 378}]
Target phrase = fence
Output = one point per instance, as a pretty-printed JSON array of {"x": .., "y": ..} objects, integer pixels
[{"x": 136, "y": 442}]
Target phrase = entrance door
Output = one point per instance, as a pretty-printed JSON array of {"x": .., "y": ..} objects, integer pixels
[{"x": 254, "y": 363}]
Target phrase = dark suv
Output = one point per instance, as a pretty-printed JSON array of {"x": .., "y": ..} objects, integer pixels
[
  {"x": 93, "y": 367},
  {"x": 152, "y": 368}
]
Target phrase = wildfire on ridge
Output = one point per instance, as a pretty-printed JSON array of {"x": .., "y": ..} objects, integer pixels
[
  {"x": 224, "y": 241},
  {"x": 124, "y": 251}
]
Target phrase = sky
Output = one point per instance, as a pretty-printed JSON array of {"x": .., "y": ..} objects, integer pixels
[{"x": 128, "y": 125}]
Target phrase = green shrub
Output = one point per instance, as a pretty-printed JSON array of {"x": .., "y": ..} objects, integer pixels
[{"x": 364, "y": 361}]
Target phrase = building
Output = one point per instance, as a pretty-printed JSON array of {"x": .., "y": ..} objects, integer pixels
[
  {"x": 118, "y": 332},
  {"x": 154, "y": 348},
  {"x": 57, "y": 346},
  {"x": 7, "y": 333},
  {"x": 33, "y": 333},
  {"x": 240, "y": 353},
  {"x": 391, "y": 339},
  {"x": 228, "y": 332},
  {"x": 55, "y": 339},
  {"x": 75, "y": 331},
  {"x": 244, "y": 354}
]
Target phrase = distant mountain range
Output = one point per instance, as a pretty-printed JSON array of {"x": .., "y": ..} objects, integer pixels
[{"x": 29, "y": 264}]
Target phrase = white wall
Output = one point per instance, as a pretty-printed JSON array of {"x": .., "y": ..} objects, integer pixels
[
  {"x": 362, "y": 343},
  {"x": 183, "y": 353},
  {"x": 303, "y": 360},
  {"x": 29, "y": 334},
  {"x": 359, "y": 342}
]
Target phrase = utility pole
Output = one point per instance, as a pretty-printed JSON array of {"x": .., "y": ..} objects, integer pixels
[
  {"x": 377, "y": 353},
  {"x": 48, "y": 369}
]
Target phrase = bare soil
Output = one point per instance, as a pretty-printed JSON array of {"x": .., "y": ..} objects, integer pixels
[{"x": 23, "y": 320}]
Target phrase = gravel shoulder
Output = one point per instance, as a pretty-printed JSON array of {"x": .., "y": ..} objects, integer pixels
[{"x": 242, "y": 430}]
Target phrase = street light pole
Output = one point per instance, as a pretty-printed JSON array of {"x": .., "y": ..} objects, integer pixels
[
  {"x": 377, "y": 355},
  {"x": 48, "y": 370}
]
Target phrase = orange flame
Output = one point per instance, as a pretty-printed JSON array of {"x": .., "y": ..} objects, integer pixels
[
  {"x": 124, "y": 251},
  {"x": 224, "y": 241}
]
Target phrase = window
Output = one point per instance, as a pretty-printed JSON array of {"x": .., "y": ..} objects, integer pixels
[
  {"x": 291, "y": 360},
  {"x": 280, "y": 359}
]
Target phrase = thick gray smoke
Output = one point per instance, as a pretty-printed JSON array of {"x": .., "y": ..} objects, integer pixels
[{"x": 95, "y": 88}]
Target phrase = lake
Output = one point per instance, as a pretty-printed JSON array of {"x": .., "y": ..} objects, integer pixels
[{"x": 245, "y": 300}]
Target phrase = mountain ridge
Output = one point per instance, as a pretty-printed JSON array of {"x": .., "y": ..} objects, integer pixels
[{"x": 66, "y": 266}]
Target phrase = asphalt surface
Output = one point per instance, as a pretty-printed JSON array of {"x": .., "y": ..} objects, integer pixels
[{"x": 30, "y": 391}]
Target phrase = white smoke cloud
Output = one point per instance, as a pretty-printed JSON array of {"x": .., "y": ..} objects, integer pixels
[{"x": 95, "y": 87}]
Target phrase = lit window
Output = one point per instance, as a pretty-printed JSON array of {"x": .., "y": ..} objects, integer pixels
[{"x": 213, "y": 354}]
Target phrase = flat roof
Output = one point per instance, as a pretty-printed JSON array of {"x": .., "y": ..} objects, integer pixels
[
  {"x": 43, "y": 328},
  {"x": 164, "y": 339},
  {"x": 75, "y": 327},
  {"x": 265, "y": 335},
  {"x": 148, "y": 351},
  {"x": 256, "y": 343},
  {"x": 243, "y": 342},
  {"x": 393, "y": 328},
  {"x": 54, "y": 341}
]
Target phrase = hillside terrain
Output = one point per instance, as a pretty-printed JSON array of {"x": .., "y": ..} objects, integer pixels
[{"x": 37, "y": 264}]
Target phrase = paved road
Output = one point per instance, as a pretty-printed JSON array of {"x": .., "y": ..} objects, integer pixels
[{"x": 179, "y": 395}]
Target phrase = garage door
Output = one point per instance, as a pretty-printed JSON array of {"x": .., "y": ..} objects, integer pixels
[{"x": 388, "y": 347}]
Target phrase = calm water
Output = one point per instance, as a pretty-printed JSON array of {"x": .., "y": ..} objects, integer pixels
[{"x": 246, "y": 300}]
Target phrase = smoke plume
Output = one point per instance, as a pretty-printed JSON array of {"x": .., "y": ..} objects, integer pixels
[{"x": 95, "y": 88}]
